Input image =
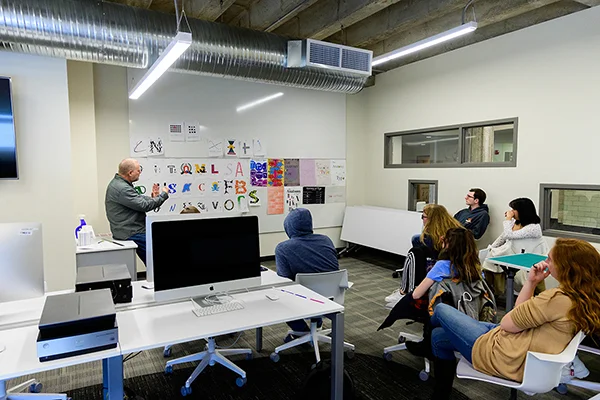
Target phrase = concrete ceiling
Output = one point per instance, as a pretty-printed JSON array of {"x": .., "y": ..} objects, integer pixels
[{"x": 378, "y": 25}]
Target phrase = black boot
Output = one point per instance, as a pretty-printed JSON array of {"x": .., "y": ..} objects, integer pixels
[{"x": 444, "y": 376}]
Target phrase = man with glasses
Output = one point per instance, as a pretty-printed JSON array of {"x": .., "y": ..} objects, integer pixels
[{"x": 475, "y": 217}]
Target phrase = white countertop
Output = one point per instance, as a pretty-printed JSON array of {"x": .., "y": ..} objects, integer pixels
[{"x": 104, "y": 245}]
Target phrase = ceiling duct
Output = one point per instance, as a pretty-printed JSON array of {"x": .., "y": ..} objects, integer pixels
[{"x": 108, "y": 33}]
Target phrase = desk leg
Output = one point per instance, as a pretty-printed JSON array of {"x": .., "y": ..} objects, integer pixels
[
  {"x": 112, "y": 378},
  {"x": 337, "y": 356},
  {"x": 510, "y": 289},
  {"x": 258, "y": 340}
]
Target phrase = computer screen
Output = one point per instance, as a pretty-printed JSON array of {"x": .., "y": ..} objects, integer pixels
[
  {"x": 21, "y": 261},
  {"x": 8, "y": 141},
  {"x": 199, "y": 256}
]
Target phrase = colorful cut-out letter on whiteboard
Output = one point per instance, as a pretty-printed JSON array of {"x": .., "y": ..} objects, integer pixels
[
  {"x": 258, "y": 173},
  {"x": 275, "y": 200},
  {"x": 308, "y": 176},
  {"x": 275, "y": 172}
]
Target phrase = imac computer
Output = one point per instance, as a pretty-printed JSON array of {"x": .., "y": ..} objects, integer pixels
[
  {"x": 194, "y": 256},
  {"x": 21, "y": 261}
]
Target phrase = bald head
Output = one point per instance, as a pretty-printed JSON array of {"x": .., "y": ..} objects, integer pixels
[{"x": 130, "y": 170}]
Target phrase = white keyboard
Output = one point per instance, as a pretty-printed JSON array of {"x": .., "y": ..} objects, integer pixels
[{"x": 217, "y": 308}]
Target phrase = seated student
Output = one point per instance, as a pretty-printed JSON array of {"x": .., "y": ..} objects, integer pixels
[
  {"x": 522, "y": 222},
  {"x": 190, "y": 210},
  {"x": 545, "y": 323},
  {"x": 475, "y": 217},
  {"x": 304, "y": 252},
  {"x": 436, "y": 222},
  {"x": 458, "y": 261}
]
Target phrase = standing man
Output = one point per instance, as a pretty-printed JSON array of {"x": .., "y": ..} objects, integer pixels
[
  {"x": 304, "y": 252},
  {"x": 475, "y": 217},
  {"x": 126, "y": 209}
]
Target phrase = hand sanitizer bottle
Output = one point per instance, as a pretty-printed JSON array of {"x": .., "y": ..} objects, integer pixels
[{"x": 81, "y": 224}]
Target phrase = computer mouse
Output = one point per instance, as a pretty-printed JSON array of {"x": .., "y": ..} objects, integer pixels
[{"x": 272, "y": 296}]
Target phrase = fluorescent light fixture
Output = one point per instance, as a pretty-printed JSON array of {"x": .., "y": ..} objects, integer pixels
[
  {"x": 174, "y": 50},
  {"x": 425, "y": 43},
  {"x": 258, "y": 102}
]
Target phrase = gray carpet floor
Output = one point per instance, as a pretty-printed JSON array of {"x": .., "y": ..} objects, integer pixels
[{"x": 365, "y": 310}]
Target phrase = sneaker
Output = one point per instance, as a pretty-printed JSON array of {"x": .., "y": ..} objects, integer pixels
[
  {"x": 395, "y": 297},
  {"x": 575, "y": 369}
]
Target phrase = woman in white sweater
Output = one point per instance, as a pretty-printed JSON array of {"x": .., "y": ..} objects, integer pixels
[{"x": 521, "y": 222}]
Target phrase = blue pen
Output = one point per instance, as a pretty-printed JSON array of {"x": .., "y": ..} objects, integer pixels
[{"x": 299, "y": 295}]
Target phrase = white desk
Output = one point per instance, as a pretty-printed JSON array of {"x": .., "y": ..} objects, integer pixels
[
  {"x": 20, "y": 358},
  {"x": 108, "y": 253},
  {"x": 147, "y": 328}
]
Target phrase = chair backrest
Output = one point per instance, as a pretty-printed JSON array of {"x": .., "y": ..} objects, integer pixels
[
  {"x": 536, "y": 246},
  {"x": 332, "y": 284},
  {"x": 543, "y": 371}
]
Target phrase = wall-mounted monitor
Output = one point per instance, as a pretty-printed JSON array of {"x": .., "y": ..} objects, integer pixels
[{"x": 8, "y": 139}]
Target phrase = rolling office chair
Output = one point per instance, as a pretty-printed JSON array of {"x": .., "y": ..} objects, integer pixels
[
  {"x": 542, "y": 371},
  {"x": 15, "y": 393},
  {"x": 332, "y": 285}
]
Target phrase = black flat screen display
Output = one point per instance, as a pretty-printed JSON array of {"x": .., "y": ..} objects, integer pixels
[
  {"x": 8, "y": 140},
  {"x": 196, "y": 252}
]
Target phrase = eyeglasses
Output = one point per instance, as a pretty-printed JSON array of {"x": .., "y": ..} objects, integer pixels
[
  {"x": 470, "y": 196},
  {"x": 423, "y": 216}
]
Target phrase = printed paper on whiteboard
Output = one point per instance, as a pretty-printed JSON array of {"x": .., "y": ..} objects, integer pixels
[
  {"x": 254, "y": 197},
  {"x": 215, "y": 147},
  {"x": 176, "y": 132},
  {"x": 244, "y": 148},
  {"x": 293, "y": 197},
  {"x": 338, "y": 172},
  {"x": 192, "y": 132},
  {"x": 156, "y": 147},
  {"x": 258, "y": 148},
  {"x": 243, "y": 204},
  {"x": 138, "y": 147}
]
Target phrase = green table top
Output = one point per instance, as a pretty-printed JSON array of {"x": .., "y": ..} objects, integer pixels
[{"x": 523, "y": 260}]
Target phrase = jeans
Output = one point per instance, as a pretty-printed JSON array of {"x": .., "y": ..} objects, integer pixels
[
  {"x": 140, "y": 240},
  {"x": 301, "y": 326},
  {"x": 454, "y": 330}
]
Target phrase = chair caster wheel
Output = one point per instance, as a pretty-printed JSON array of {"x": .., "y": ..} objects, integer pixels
[
  {"x": 249, "y": 356},
  {"x": 274, "y": 357},
  {"x": 241, "y": 381},
  {"x": 350, "y": 354},
  {"x": 36, "y": 387},
  {"x": 168, "y": 370},
  {"x": 424, "y": 376},
  {"x": 186, "y": 390},
  {"x": 562, "y": 388},
  {"x": 387, "y": 356},
  {"x": 395, "y": 275},
  {"x": 401, "y": 339},
  {"x": 167, "y": 353}
]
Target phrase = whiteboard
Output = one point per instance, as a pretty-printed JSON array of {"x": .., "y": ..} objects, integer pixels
[
  {"x": 298, "y": 124},
  {"x": 386, "y": 229}
]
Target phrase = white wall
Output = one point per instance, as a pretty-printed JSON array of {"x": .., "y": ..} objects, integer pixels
[
  {"x": 44, "y": 191},
  {"x": 546, "y": 75}
]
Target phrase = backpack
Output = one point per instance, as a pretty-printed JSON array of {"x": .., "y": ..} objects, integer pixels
[{"x": 317, "y": 385}]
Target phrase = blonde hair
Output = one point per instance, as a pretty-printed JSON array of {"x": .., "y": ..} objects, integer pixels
[
  {"x": 577, "y": 266},
  {"x": 190, "y": 210},
  {"x": 438, "y": 223}
]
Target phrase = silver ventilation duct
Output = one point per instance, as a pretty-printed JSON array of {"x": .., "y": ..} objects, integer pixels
[{"x": 95, "y": 31}]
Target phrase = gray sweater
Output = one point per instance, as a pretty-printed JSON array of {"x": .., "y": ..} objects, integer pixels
[{"x": 126, "y": 209}]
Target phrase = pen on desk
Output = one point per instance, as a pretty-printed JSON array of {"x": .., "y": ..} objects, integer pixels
[
  {"x": 318, "y": 301},
  {"x": 299, "y": 295},
  {"x": 110, "y": 241}
]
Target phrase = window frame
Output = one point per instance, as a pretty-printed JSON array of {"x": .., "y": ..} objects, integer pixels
[
  {"x": 546, "y": 210},
  {"x": 411, "y": 191},
  {"x": 387, "y": 148}
]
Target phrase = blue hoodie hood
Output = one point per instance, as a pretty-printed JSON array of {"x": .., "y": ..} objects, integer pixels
[{"x": 298, "y": 223}]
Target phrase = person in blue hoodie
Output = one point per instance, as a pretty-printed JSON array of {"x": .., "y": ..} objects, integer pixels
[
  {"x": 304, "y": 252},
  {"x": 475, "y": 217}
]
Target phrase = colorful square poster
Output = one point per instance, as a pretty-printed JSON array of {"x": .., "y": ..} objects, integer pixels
[
  {"x": 313, "y": 195},
  {"x": 308, "y": 176},
  {"x": 338, "y": 172},
  {"x": 275, "y": 171},
  {"x": 323, "y": 168},
  {"x": 275, "y": 200},
  {"x": 258, "y": 173},
  {"x": 292, "y": 172}
]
